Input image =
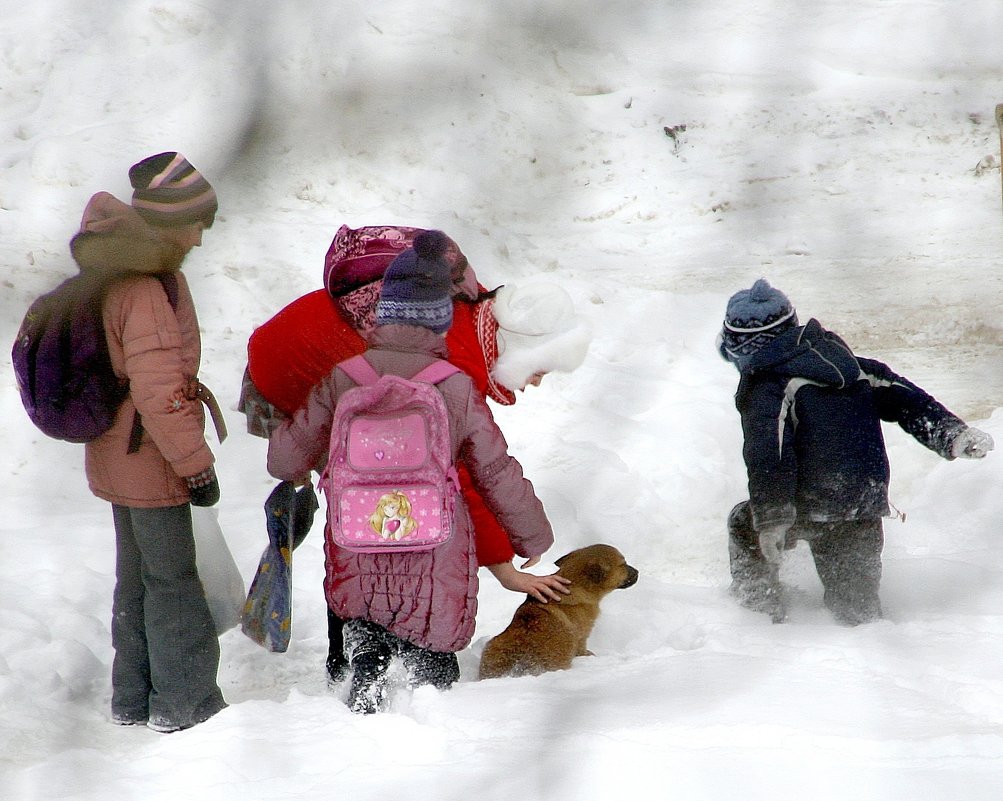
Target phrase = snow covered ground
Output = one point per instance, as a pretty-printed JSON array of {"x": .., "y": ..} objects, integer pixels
[{"x": 654, "y": 158}]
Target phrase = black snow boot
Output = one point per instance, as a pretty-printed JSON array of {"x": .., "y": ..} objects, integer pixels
[{"x": 337, "y": 663}]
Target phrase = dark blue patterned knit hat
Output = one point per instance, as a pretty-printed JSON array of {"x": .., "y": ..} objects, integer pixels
[
  {"x": 754, "y": 318},
  {"x": 417, "y": 285}
]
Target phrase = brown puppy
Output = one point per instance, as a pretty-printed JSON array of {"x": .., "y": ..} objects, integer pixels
[{"x": 544, "y": 637}]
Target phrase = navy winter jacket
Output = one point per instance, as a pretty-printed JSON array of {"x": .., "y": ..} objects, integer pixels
[{"x": 811, "y": 414}]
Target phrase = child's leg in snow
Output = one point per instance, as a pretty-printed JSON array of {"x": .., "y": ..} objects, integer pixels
[
  {"x": 180, "y": 636},
  {"x": 429, "y": 667},
  {"x": 130, "y": 672},
  {"x": 337, "y": 664},
  {"x": 848, "y": 560},
  {"x": 369, "y": 650},
  {"x": 753, "y": 583}
]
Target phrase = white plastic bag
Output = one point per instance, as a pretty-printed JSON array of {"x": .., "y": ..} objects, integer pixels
[{"x": 221, "y": 579}]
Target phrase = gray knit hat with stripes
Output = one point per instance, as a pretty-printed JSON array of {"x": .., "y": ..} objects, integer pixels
[{"x": 170, "y": 192}]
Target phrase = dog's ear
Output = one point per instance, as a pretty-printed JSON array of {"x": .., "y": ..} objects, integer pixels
[
  {"x": 559, "y": 561},
  {"x": 595, "y": 572}
]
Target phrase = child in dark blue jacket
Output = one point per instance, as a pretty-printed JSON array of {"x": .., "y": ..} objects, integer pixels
[{"x": 811, "y": 417}]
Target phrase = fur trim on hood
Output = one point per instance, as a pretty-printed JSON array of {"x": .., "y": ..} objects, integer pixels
[
  {"x": 538, "y": 332},
  {"x": 114, "y": 240}
]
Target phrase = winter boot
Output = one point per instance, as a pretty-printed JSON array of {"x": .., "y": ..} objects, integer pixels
[
  {"x": 439, "y": 669},
  {"x": 369, "y": 649},
  {"x": 337, "y": 663},
  {"x": 368, "y": 693}
]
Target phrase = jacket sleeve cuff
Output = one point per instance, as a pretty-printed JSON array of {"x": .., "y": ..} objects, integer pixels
[
  {"x": 773, "y": 517},
  {"x": 194, "y": 464}
]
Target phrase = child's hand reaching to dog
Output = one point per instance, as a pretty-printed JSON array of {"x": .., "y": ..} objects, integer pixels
[{"x": 543, "y": 588}]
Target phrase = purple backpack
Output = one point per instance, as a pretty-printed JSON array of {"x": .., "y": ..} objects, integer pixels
[
  {"x": 61, "y": 361},
  {"x": 390, "y": 480}
]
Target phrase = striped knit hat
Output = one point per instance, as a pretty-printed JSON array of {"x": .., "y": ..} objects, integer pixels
[
  {"x": 417, "y": 286},
  {"x": 170, "y": 192}
]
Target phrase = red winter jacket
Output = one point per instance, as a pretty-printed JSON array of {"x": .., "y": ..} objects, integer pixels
[
  {"x": 303, "y": 342},
  {"x": 428, "y": 598}
]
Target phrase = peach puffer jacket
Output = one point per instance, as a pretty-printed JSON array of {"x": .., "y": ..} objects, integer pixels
[{"x": 156, "y": 348}]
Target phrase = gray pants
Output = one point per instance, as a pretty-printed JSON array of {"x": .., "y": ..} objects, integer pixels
[
  {"x": 166, "y": 651},
  {"x": 847, "y": 557}
]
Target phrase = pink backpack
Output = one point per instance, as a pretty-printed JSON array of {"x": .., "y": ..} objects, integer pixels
[{"x": 390, "y": 481}]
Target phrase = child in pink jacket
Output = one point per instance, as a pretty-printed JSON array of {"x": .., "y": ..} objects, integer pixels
[{"x": 417, "y": 605}]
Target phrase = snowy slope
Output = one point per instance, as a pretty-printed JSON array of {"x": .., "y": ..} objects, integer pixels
[{"x": 653, "y": 157}]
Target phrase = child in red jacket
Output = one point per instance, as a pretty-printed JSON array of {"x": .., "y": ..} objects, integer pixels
[
  {"x": 415, "y": 604},
  {"x": 504, "y": 340}
]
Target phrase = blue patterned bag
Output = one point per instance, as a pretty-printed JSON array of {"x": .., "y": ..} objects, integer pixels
[{"x": 267, "y": 613}]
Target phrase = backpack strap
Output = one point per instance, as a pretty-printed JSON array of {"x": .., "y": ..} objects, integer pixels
[
  {"x": 437, "y": 371},
  {"x": 362, "y": 372},
  {"x": 169, "y": 281},
  {"x": 359, "y": 370}
]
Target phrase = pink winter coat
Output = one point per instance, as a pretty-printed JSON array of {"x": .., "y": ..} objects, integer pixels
[
  {"x": 153, "y": 347},
  {"x": 428, "y": 598}
]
